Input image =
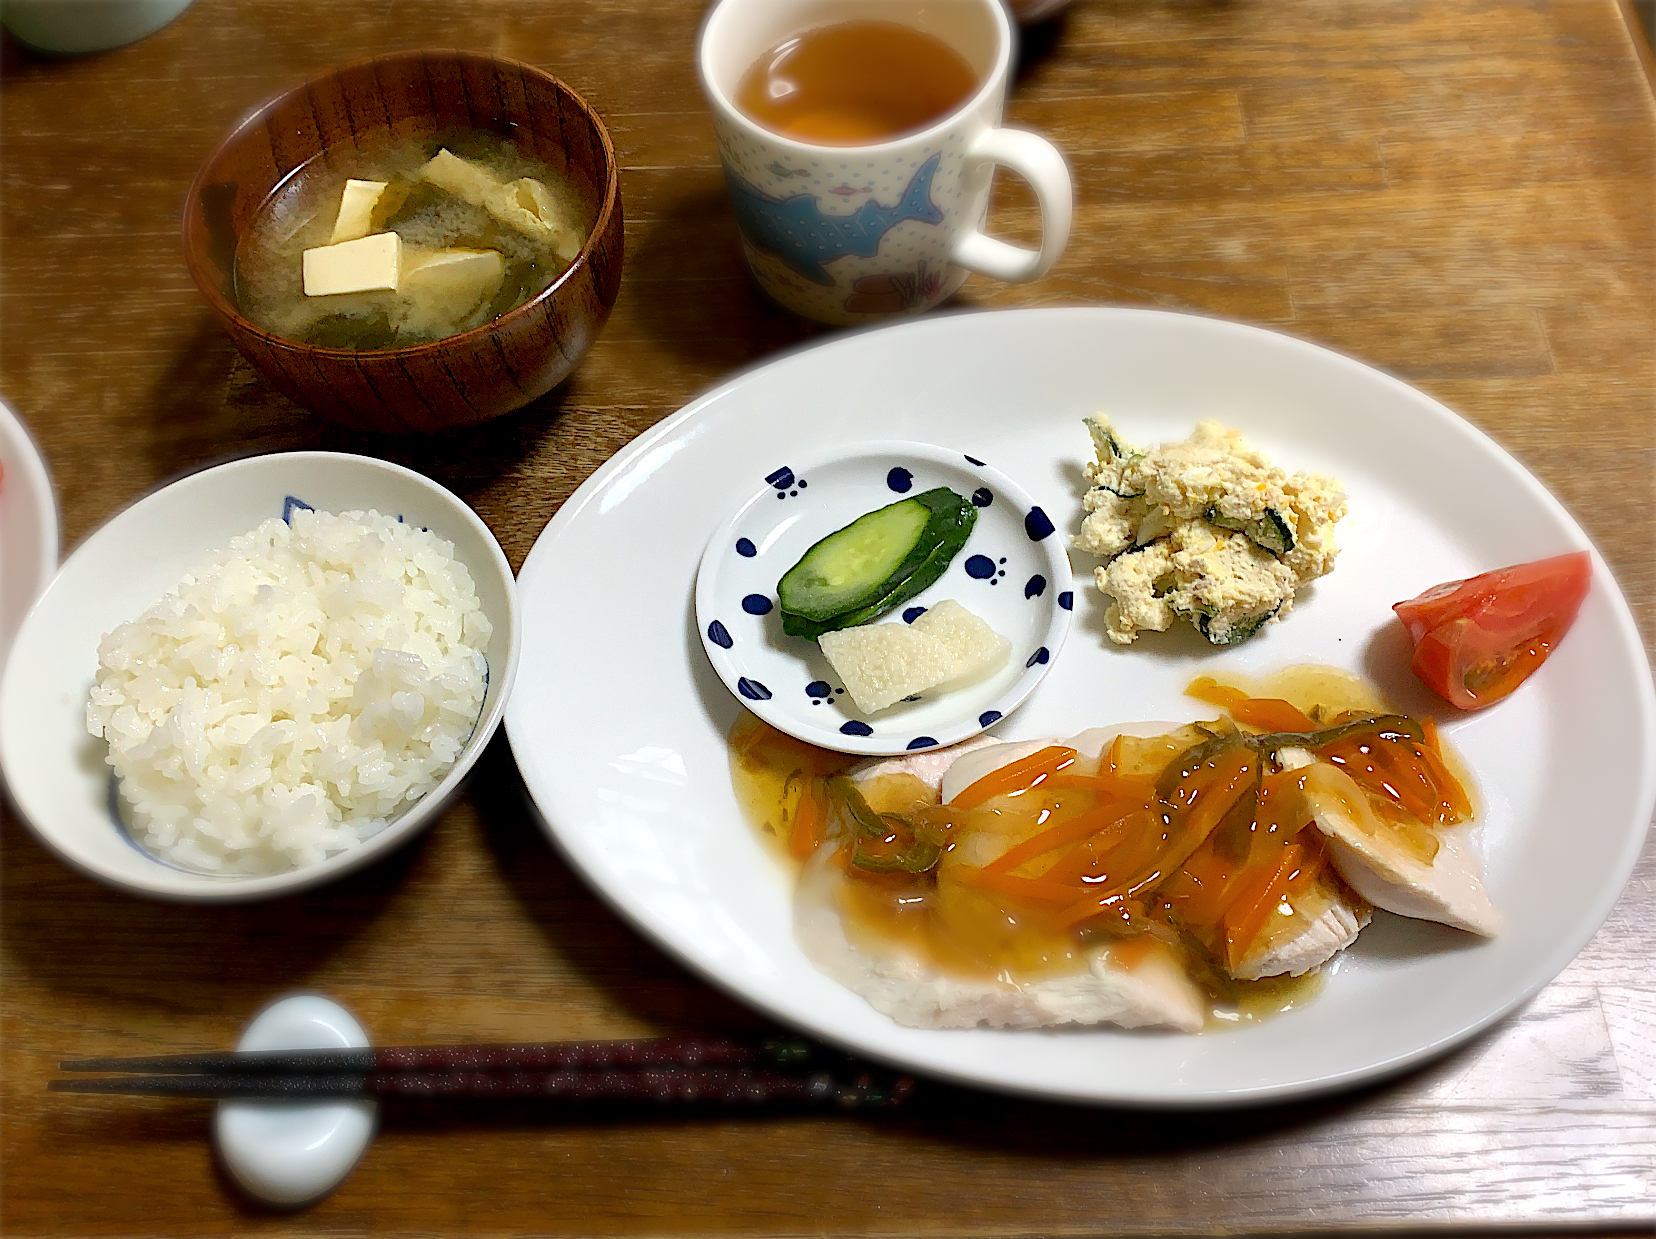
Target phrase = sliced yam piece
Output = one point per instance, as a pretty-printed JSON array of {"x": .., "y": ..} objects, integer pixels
[
  {"x": 1316, "y": 939},
  {"x": 464, "y": 179},
  {"x": 1383, "y": 869},
  {"x": 880, "y": 664},
  {"x": 913, "y": 992},
  {"x": 978, "y": 649},
  {"x": 528, "y": 206}
]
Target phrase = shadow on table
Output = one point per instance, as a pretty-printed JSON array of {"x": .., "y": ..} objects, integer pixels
[
  {"x": 218, "y": 408},
  {"x": 60, "y": 928},
  {"x": 690, "y": 259}
]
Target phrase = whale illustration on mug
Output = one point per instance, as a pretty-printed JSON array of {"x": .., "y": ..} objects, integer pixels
[{"x": 795, "y": 230}]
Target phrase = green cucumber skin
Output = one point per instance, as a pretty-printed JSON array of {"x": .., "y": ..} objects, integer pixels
[
  {"x": 854, "y": 554},
  {"x": 953, "y": 519},
  {"x": 1271, "y": 532}
]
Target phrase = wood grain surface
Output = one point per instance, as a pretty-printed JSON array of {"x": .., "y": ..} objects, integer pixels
[{"x": 1457, "y": 191}]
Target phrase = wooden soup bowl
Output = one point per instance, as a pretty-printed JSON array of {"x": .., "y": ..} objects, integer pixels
[{"x": 361, "y": 108}]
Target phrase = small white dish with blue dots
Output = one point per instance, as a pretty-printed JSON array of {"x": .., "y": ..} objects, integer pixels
[{"x": 1013, "y": 573}]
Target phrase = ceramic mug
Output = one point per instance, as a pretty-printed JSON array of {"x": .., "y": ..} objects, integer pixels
[{"x": 847, "y": 234}]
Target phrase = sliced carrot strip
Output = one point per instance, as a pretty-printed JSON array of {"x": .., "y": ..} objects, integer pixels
[
  {"x": 1113, "y": 763},
  {"x": 1266, "y": 713},
  {"x": 1082, "y": 826},
  {"x": 810, "y": 824},
  {"x": 1112, "y": 903},
  {"x": 1019, "y": 776},
  {"x": 1310, "y": 867},
  {"x": 1247, "y": 916},
  {"x": 1408, "y": 790},
  {"x": 1454, "y": 795},
  {"x": 1129, "y": 850},
  {"x": 1233, "y": 773},
  {"x": 1139, "y": 791},
  {"x": 1016, "y": 887}
]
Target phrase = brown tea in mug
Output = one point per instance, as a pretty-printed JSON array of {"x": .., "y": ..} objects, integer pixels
[{"x": 854, "y": 83}]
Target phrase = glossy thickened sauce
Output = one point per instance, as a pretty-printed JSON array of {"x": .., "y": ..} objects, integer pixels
[
  {"x": 1195, "y": 848},
  {"x": 854, "y": 83}
]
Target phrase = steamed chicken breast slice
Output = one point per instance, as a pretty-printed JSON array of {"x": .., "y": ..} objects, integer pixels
[
  {"x": 901, "y": 984},
  {"x": 928, "y": 765},
  {"x": 1382, "y": 868},
  {"x": 914, "y": 992},
  {"x": 1312, "y": 942}
]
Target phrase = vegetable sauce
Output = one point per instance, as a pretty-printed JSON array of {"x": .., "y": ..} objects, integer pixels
[{"x": 1190, "y": 849}]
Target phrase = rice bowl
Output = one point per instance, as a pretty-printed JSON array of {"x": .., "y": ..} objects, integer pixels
[
  {"x": 294, "y": 693},
  {"x": 58, "y": 773}
]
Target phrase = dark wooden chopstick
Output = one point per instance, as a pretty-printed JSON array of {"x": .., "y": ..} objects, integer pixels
[
  {"x": 707, "y": 1071},
  {"x": 545, "y": 1056},
  {"x": 728, "y": 1087}
]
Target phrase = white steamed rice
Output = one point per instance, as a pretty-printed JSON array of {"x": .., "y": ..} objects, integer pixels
[{"x": 294, "y": 694}]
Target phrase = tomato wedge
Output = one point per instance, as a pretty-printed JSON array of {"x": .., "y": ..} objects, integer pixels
[{"x": 1477, "y": 640}]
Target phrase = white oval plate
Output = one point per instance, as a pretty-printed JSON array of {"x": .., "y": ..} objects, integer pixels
[
  {"x": 1013, "y": 573},
  {"x": 28, "y": 527},
  {"x": 618, "y": 723}
]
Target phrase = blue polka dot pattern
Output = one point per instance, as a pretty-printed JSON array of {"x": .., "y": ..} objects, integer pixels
[
  {"x": 922, "y": 742},
  {"x": 819, "y": 688},
  {"x": 1035, "y": 586},
  {"x": 980, "y": 566},
  {"x": 982, "y": 497},
  {"x": 855, "y": 727},
  {"x": 752, "y": 689},
  {"x": 900, "y": 480},
  {"x": 782, "y": 478},
  {"x": 756, "y": 604},
  {"x": 745, "y": 548},
  {"x": 1037, "y": 525},
  {"x": 912, "y": 614},
  {"x": 1039, "y": 656},
  {"x": 989, "y": 717},
  {"x": 974, "y": 460},
  {"x": 1066, "y": 600},
  {"x": 719, "y": 635}
]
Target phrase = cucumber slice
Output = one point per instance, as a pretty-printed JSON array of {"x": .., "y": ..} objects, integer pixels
[
  {"x": 1270, "y": 531},
  {"x": 1233, "y": 632},
  {"x": 879, "y": 560}
]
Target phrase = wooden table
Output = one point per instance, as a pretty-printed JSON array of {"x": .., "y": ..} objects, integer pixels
[{"x": 1457, "y": 191}]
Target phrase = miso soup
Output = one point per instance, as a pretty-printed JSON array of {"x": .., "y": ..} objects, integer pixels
[{"x": 424, "y": 240}]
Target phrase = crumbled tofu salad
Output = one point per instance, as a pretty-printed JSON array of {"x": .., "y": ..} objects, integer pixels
[{"x": 1206, "y": 530}]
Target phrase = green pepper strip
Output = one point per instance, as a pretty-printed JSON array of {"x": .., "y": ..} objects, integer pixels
[
  {"x": 921, "y": 854},
  {"x": 1384, "y": 726}
]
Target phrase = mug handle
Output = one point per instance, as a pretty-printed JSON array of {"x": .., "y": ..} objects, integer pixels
[{"x": 1038, "y": 162}]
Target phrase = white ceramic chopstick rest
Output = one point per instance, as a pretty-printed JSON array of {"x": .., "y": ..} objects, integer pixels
[{"x": 286, "y": 1152}]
